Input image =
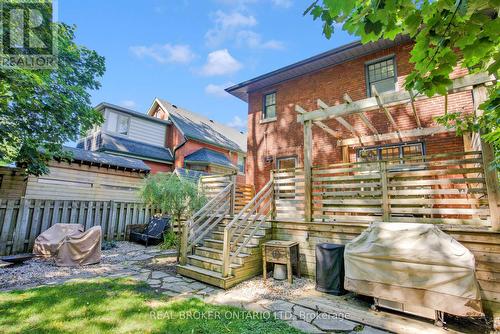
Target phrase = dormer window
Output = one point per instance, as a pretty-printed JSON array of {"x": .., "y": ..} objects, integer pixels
[
  {"x": 118, "y": 123},
  {"x": 381, "y": 73}
]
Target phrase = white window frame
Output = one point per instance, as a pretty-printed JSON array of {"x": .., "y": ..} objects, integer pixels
[
  {"x": 375, "y": 61},
  {"x": 265, "y": 117},
  {"x": 115, "y": 128}
]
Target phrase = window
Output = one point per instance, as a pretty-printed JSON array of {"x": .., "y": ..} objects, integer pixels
[
  {"x": 286, "y": 163},
  {"x": 269, "y": 108},
  {"x": 241, "y": 163},
  {"x": 88, "y": 145},
  {"x": 392, "y": 153},
  {"x": 118, "y": 123},
  {"x": 381, "y": 74}
]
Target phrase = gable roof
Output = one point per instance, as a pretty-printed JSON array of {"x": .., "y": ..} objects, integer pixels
[
  {"x": 329, "y": 58},
  {"x": 116, "y": 144},
  {"x": 105, "y": 159},
  {"x": 197, "y": 127},
  {"x": 208, "y": 156},
  {"x": 130, "y": 112}
]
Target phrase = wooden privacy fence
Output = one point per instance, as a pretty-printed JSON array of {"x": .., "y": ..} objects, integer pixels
[
  {"x": 22, "y": 220},
  {"x": 443, "y": 189},
  {"x": 212, "y": 185}
]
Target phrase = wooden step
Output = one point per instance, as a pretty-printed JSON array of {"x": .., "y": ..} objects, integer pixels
[
  {"x": 203, "y": 275},
  {"x": 216, "y": 254},
  {"x": 261, "y": 231},
  {"x": 218, "y": 244},
  {"x": 255, "y": 240},
  {"x": 208, "y": 263}
]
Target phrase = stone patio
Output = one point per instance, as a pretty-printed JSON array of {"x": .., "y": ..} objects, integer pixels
[{"x": 298, "y": 304}]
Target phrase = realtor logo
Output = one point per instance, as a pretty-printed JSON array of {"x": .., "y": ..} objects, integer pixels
[{"x": 28, "y": 35}]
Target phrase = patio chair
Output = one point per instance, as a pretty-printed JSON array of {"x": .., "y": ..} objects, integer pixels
[{"x": 153, "y": 233}]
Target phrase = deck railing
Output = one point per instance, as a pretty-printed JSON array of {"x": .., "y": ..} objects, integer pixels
[
  {"x": 239, "y": 232},
  {"x": 444, "y": 189}
]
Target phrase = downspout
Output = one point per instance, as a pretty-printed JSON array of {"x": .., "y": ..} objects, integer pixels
[{"x": 178, "y": 147}]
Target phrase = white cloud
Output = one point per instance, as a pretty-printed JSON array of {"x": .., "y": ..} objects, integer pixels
[
  {"x": 128, "y": 104},
  {"x": 283, "y": 3},
  {"x": 237, "y": 123},
  {"x": 218, "y": 90},
  {"x": 254, "y": 40},
  {"x": 226, "y": 25},
  {"x": 220, "y": 62},
  {"x": 166, "y": 53}
]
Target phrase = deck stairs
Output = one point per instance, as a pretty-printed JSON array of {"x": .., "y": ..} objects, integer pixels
[{"x": 221, "y": 249}]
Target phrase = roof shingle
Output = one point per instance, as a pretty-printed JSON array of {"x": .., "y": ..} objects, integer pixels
[
  {"x": 198, "y": 127},
  {"x": 208, "y": 156},
  {"x": 126, "y": 146},
  {"x": 106, "y": 159}
]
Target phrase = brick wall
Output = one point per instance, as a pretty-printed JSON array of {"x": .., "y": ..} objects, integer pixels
[
  {"x": 284, "y": 137},
  {"x": 158, "y": 167},
  {"x": 175, "y": 138}
]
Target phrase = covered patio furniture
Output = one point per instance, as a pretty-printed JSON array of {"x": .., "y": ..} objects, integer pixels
[
  {"x": 413, "y": 267},
  {"x": 153, "y": 233},
  {"x": 47, "y": 243},
  {"x": 80, "y": 249}
]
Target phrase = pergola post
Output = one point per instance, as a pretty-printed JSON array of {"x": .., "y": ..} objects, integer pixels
[
  {"x": 480, "y": 94},
  {"x": 308, "y": 170}
]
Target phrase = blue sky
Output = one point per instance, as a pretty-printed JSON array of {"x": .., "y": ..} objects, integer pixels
[{"x": 187, "y": 51}]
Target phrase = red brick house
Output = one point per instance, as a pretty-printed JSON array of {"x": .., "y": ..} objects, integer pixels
[
  {"x": 276, "y": 140},
  {"x": 168, "y": 138}
]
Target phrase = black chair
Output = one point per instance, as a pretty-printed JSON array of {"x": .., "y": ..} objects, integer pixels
[{"x": 153, "y": 233}]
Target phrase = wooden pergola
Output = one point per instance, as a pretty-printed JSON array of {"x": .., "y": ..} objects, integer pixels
[{"x": 475, "y": 82}]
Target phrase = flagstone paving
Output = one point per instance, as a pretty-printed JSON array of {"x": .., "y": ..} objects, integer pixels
[{"x": 156, "y": 267}]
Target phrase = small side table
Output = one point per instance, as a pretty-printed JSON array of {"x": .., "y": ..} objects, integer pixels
[{"x": 281, "y": 252}]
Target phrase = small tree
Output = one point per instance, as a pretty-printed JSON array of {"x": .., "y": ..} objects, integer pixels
[{"x": 172, "y": 194}]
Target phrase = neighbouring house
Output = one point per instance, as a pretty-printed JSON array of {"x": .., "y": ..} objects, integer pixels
[
  {"x": 168, "y": 138},
  {"x": 346, "y": 73},
  {"x": 131, "y": 134},
  {"x": 199, "y": 143},
  {"x": 89, "y": 176}
]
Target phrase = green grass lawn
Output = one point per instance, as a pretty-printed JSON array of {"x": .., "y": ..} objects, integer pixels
[{"x": 121, "y": 306}]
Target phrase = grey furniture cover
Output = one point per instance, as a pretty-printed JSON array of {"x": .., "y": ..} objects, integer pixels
[{"x": 416, "y": 264}]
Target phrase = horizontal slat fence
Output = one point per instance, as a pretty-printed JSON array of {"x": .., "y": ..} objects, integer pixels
[
  {"x": 442, "y": 189},
  {"x": 289, "y": 193},
  {"x": 244, "y": 194},
  {"x": 211, "y": 185},
  {"x": 22, "y": 220}
]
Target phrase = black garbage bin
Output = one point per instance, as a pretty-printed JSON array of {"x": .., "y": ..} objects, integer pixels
[{"x": 330, "y": 268}]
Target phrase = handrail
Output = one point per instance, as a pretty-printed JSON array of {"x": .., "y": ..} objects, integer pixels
[
  {"x": 204, "y": 220},
  {"x": 259, "y": 207}
]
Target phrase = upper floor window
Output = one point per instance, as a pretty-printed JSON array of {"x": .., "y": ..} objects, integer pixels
[
  {"x": 241, "y": 163},
  {"x": 382, "y": 75},
  {"x": 269, "y": 108},
  {"x": 118, "y": 123}
]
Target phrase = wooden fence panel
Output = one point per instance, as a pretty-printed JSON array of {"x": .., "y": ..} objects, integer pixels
[
  {"x": 289, "y": 196},
  {"x": 441, "y": 189},
  {"x": 22, "y": 220}
]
